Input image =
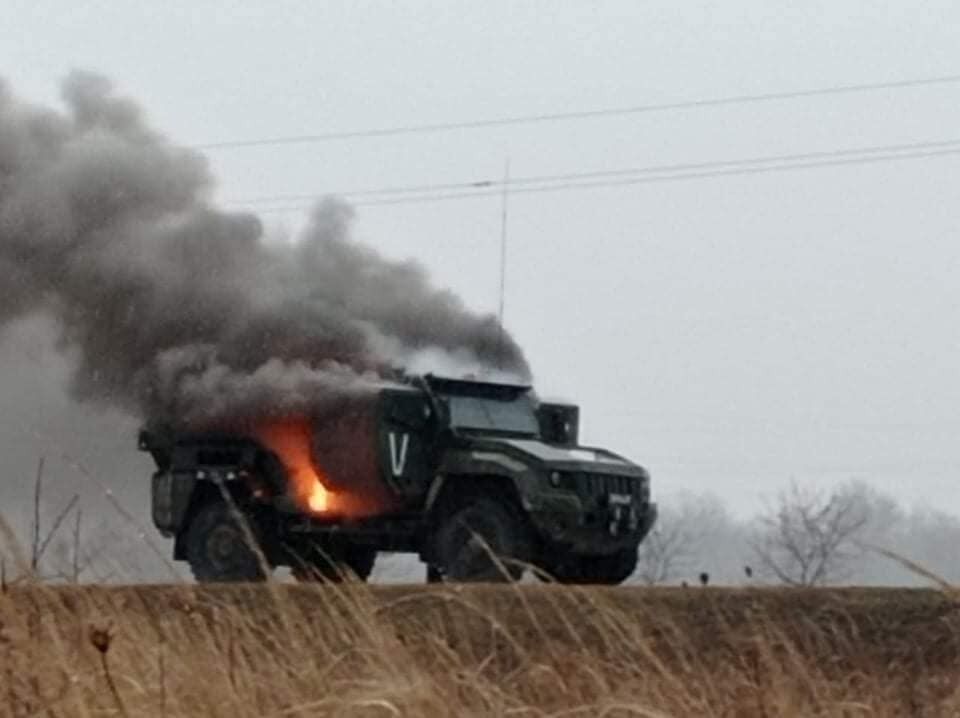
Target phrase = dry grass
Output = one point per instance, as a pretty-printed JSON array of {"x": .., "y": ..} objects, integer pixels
[{"x": 282, "y": 650}]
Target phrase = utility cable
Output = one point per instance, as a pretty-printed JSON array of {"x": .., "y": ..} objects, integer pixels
[
  {"x": 675, "y": 177},
  {"x": 576, "y": 115},
  {"x": 636, "y": 175}
]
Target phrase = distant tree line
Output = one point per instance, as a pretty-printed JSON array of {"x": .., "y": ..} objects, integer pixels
[{"x": 804, "y": 536}]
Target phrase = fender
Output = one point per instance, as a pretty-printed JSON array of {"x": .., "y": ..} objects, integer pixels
[
  {"x": 175, "y": 495},
  {"x": 448, "y": 483},
  {"x": 171, "y": 494}
]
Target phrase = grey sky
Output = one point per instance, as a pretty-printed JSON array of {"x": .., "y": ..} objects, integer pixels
[{"x": 729, "y": 333}]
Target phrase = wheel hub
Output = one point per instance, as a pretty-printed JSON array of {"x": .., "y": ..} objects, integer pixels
[{"x": 222, "y": 546}]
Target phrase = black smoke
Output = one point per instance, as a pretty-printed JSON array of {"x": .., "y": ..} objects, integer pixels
[{"x": 170, "y": 308}]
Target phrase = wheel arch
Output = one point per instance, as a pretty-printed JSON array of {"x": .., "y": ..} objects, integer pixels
[
  {"x": 448, "y": 490},
  {"x": 205, "y": 492}
]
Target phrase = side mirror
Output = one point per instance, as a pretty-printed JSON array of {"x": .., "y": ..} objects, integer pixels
[{"x": 559, "y": 423}]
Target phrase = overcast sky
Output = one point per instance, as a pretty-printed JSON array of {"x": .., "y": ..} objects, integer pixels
[{"x": 730, "y": 333}]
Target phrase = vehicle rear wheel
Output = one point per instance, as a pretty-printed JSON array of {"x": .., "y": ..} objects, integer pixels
[
  {"x": 333, "y": 565},
  {"x": 482, "y": 540},
  {"x": 219, "y": 547}
]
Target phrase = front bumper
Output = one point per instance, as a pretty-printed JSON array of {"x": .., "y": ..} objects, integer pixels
[{"x": 612, "y": 523}]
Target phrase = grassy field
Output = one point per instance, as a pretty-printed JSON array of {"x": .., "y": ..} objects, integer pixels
[{"x": 531, "y": 650}]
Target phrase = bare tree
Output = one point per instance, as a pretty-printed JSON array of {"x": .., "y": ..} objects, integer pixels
[
  {"x": 677, "y": 540},
  {"x": 665, "y": 553},
  {"x": 40, "y": 542},
  {"x": 808, "y": 537},
  {"x": 85, "y": 553},
  {"x": 35, "y": 528},
  {"x": 75, "y": 557}
]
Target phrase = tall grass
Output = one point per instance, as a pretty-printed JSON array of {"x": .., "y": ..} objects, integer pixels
[{"x": 526, "y": 650}]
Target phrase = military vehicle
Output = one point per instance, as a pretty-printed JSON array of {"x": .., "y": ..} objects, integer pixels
[{"x": 480, "y": 479}]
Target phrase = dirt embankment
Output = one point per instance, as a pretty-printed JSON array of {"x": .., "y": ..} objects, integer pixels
[{"x": 478, "y": 650}]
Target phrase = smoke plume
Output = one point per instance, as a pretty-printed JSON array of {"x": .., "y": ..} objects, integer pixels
[{"x": 170, "y": 308}]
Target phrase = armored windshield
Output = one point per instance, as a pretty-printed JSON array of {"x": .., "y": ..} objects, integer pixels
[{"x": 514, "y": 415}]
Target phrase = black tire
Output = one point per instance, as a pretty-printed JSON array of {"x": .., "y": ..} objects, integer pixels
[
  {"x": 218, "y": 546},
  {"x": 333, "y": 565},
  {"x": 465, "y": 539},
  {"x": 615, "y": 568},
  {"x": 360, "y": 560},
  {"x": 608, "y": 570}
]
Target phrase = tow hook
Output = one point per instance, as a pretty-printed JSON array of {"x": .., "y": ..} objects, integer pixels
[{"x": 619, "y": 504}]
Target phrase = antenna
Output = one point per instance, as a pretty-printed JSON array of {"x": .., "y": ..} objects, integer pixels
[{"x": 503, "y": 256}]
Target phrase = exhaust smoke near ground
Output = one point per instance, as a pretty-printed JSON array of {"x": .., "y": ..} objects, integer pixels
[{"x": 172, "y": 309}]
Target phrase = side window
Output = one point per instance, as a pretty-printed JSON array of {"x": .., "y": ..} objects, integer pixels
[{"x": 411, "y": 411}]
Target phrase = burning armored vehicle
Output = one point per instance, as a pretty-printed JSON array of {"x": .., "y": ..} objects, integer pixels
[{"x": 480, "y": 479}]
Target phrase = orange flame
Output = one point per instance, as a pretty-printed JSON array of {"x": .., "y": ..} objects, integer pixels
[{"x": 290, "y": 441}]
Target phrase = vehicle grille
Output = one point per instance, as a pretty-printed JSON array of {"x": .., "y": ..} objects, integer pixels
[{"x": 597, "y": 485}]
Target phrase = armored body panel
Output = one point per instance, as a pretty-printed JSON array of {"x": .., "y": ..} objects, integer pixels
[{"x": 399, "y": 468}]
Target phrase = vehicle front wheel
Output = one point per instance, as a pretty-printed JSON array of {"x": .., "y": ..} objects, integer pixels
[
  {"x": 610, "y": 570},
  {"x": 221, "y": 546},
  {"x": 481, "y": 540}
]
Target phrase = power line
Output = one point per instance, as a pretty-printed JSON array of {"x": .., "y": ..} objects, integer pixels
[
  {"x": 480, "y": 184},
  {"x": 483, "y": 188},
  {"x": 577, "y": 115},
  {"x": 537, "y": 179},
  {"x": 642, "y": 180},
  {"x": 680, "y": 176}
]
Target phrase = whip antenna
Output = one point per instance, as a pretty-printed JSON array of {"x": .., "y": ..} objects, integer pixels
[{"x": 503, "y": 258}]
